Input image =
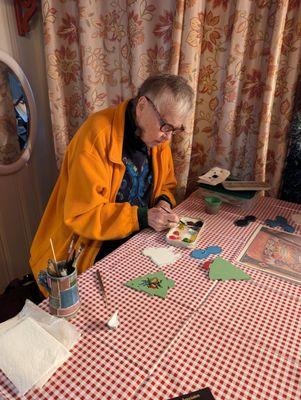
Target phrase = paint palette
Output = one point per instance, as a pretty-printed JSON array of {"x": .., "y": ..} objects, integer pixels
[{"x": 186, "y": 233}]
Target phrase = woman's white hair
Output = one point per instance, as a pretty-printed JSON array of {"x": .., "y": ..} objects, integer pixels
[{"x": 168, "y": 91}]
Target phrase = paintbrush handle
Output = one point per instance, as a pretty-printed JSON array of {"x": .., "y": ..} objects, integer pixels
[
  {"x": 71, "y": 246},
  {"x": 77, "y": 255},
  {"x": 167, "y": 211},
  {"x": 102, "y": 288},
  {"x": 52, "y": 248},
  {"x": 170, "y": 212},
  {"x": 52, "y": 267}
]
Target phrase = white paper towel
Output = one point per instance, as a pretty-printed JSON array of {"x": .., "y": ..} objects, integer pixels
[
  {"x": 28, "y": 353},
  {"x": 60, "y": 329}
]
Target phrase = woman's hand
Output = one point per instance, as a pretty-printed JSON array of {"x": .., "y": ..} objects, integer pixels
[{"x": 162, "y": 217}]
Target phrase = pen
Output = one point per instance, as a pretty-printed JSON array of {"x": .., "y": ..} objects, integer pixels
[{"x": 102, "y": 288}]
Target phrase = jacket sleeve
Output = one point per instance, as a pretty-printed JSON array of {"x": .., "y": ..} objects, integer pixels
[
  {"x": 169, "y": 182},
  {"x": 87, "y": 207}
]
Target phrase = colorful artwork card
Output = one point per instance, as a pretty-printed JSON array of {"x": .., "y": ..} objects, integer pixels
[
  {"x": 155, "y": 284},
  {"x": 221, "y": 269},
  {"x": 275, "y": 252}
]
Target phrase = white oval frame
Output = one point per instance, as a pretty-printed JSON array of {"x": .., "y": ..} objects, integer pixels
[{"x": 25, "y": 155}]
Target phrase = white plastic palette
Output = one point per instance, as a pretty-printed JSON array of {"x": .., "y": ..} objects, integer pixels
[{"x": 186, "y": 233}]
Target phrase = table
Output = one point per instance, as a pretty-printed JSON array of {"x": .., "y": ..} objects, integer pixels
[{"x": 240, "y": 339}]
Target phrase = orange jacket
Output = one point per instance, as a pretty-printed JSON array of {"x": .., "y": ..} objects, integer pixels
[{"x": 83, "y": 199}]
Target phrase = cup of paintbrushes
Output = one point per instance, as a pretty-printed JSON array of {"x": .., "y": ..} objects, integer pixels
[
  {"x": 63, "y": 292},
  {"x": 60, "y": 280}
]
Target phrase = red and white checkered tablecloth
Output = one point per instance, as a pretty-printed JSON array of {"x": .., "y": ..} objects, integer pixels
[{"x": 241, "y": 339}]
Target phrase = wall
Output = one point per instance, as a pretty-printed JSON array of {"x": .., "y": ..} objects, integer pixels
[{"x": 23, "y": 195}]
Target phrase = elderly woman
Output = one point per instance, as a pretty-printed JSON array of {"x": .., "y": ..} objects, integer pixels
[{"x": 117, "y": 176}]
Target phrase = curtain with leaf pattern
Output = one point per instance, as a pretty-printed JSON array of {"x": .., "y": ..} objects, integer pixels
[{"x": 242, "y": 59}]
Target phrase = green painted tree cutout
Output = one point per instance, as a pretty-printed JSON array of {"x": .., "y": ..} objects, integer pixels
[
  {"x": 155, "y": 284},
  {"x": 224, "y": 270}
]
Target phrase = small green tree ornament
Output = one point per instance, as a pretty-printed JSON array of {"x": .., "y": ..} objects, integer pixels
[{"x": 221, "y": 269}]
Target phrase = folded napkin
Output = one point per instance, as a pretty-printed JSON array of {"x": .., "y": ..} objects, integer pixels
[
  {"x": 28, "y": 352},
  {"x": 33, "y": 345},
  {"x": 61, "y": 329}
]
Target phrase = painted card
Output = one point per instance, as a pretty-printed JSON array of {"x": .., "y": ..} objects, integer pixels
[
  {"x": 275, "y": 252},
  {"x": 155, "y": 284}
]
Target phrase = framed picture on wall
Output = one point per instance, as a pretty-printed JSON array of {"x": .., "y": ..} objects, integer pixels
[{"x": 275, "y": 252}]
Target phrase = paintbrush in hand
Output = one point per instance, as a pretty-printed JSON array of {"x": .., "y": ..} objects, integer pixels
[{"x": 169, "y": 212}]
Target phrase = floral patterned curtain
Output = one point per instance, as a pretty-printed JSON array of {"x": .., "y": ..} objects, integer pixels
[{"x": 241, "y": 57}]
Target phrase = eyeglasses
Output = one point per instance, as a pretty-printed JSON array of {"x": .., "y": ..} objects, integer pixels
[{"x": 165, "y": 126}]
